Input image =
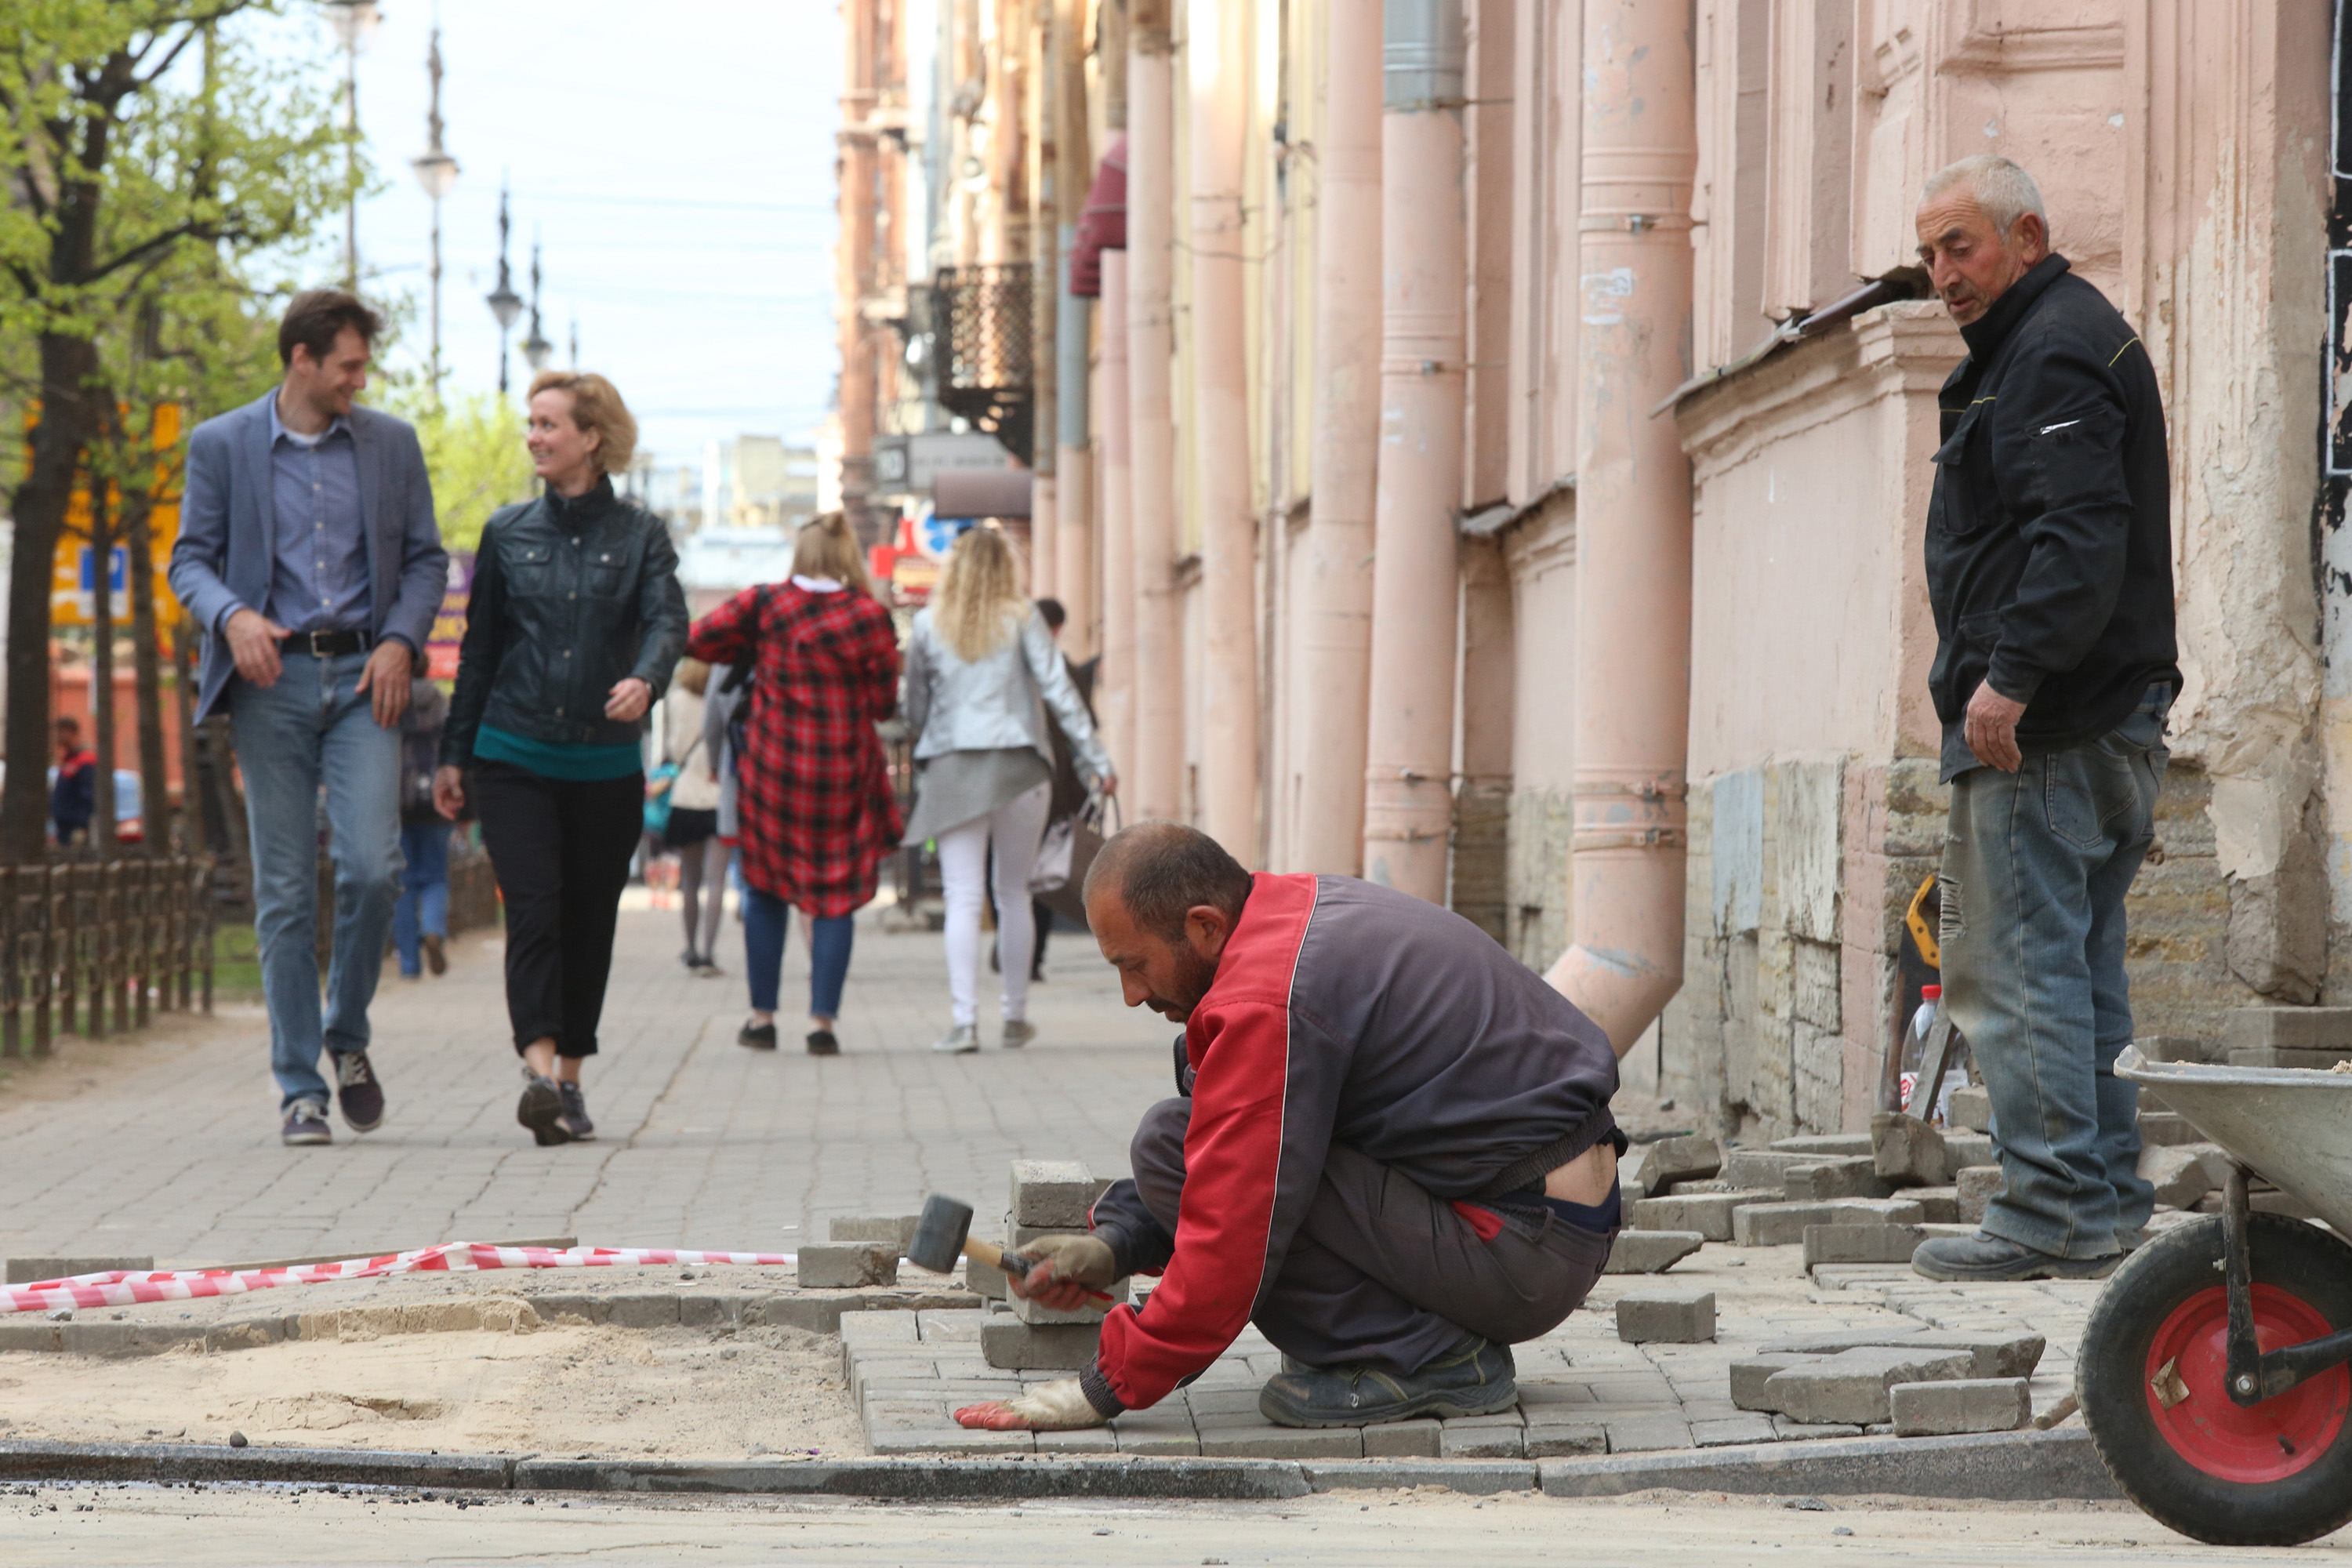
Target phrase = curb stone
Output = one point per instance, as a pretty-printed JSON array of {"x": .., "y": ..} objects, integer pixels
[
  {"x": 163, "y": 1462},
  {"x": 1470, "y": 1477},
  {"x": 916, "y": 1480},
  {"x": 2003, "y": 1467}
]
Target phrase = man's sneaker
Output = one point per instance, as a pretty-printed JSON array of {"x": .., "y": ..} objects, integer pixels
[
  {"x": 306, "y": 1123},
  {"x": 961, "y": 1041},
  {"x": 759, "y": 1036},
  {"x": 1475, "y": 1377},
  {"x": 541, "y": 1110},
  {"x": 1018, "y": 1032},
  {"x": 823, "y": 1043},
  {"x": 436, "y": 956},
  {"x": 575, "y": 1111},
  {"x": 357, "y": 1091},
  {"x": 1981, "y": 1258}
]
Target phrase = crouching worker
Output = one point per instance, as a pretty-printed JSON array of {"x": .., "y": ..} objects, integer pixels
[{"x": 1393, "y": 1150}]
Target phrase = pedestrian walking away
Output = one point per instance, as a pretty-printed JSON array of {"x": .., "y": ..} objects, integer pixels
[
  {"x": 813, "y": 812},
  {"x": 420, "y": 921},
  {"x": 2049, "y": 558},
  {"x": 73, "y": 785},
  {"x": 576, "y": 621},
  {"x": 1391, "y": 1149},
  {"x": 981, "y": 671},
  {"x": 692, "y": 829},
  {"x": 1069, "y": 795},
  {"x": 310, "y": 554}
]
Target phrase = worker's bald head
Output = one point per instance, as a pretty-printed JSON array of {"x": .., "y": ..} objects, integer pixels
[{"x": 1162, "y": 899}]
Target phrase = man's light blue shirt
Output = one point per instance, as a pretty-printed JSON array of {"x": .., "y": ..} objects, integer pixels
[{"x": 320, "y": 579}]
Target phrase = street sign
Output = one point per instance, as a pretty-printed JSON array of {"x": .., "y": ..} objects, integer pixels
[{"x": 72, "y": 582}]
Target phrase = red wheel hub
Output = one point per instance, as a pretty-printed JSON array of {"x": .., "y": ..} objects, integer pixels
[{"x": 2188, "y": 1390}]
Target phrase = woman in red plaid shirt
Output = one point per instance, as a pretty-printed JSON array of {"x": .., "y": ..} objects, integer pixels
[{"x": 812, "y": 793}]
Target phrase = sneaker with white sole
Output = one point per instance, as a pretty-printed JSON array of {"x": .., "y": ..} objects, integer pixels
[
  {"x": 575, "y": 1111},
  {"x": 963, "y": 1040},
  {"x": 306, "y": 1123},
  {"x": 541, "y": 1110},
  {"x": 1018, "y": 1032}
]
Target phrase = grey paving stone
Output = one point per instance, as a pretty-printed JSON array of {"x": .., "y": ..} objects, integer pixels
[
  {"x": 1851, "y": 1386},
  {"x": 1750, "y": 1374},
  {"x": 1536, "y": 1395},
  {"x": 1560, "y": 1441},
  {"x": 1402, "y": 1441},
  {"x": 1838, "y": 1145},
  {"x": 1790, "y": 1431},
  {"x": 1671, "y": 1317},
  {"x": 1052, "y": 1193},
  {"x": 876, "y": 1328},
  {"x": 952, "y": 1326},
  {"x": 1978, "y": 1185},
  {"x": 1861, "y": 1243},
  {"x": 1972, "y": 1108},
  {"x": 1968, "y": 1405},
  {"x": 849, "y": 1266},
  {"x": 1849, "y": 1177},
  {"x": 1634, "y": 1433},
  {"x": 1223, "y": 1402},
  {"x": 896, "y": 1229},
  {"x": 1939, "y": 1205},
  {"x": 1660, "y": 1165},
  {"x": 1087, "y": 1440},
  {"x": 2286, "y": 1028},
  {"x": 1461, "y": 1440},
  {"x": 1707, "y": 1213},
  {"x": 1281, "y": 1442},
  {"x": 1159, "y": 1430},
  {"x": 1730, "y": 1429},
  {"x": 1908, "y": 1151},
  {"x": 1766, "y": 1168},
  {"x": 1997, "y": 1355},
  {"x": 1776, "y": 1224},
  {"x": 1021, "y": 1347}
]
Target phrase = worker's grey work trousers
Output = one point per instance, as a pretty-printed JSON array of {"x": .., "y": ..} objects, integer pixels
[{"x": 1386, "y": 1272}]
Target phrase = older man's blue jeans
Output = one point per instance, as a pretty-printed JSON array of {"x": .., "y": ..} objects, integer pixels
[
  {"x": 423, "y": 908},
  {"x": 2036, "y": 865},
  {"x": 312, "y": 727}
]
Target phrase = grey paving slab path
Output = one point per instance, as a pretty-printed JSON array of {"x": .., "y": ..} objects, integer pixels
[{"x": 167, "y": 1143}]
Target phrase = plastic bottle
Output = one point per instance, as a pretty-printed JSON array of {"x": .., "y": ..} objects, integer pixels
[{"x": 1914, "y": 1056}]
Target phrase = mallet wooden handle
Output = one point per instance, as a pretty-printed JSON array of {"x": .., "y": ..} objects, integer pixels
[{"x": 1014, "y": 1264}]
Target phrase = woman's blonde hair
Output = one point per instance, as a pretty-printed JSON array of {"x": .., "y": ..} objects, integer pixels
[
  {"x": 692, "y": 674},
  {"x": 979, "y": 606},
  {"x": 595, "y": 405},
  {"x": 826, "y": 546}
]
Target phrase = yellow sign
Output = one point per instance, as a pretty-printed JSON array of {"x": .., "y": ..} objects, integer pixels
[{"x": 73, "y": 583}]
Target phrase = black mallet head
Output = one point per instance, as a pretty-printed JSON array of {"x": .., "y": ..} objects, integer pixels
[{"x": 940, "y": 1234}]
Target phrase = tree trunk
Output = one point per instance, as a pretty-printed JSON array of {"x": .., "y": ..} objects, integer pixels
[
  {"x": 155, "y": 786},
  {"x": 63, "y": 431},
  {"x": 101, "y": 661},
  {"x": 195, "y": 837}
]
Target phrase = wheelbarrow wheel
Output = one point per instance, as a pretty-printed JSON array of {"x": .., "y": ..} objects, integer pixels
[{"x": 2150, "y": 1381}]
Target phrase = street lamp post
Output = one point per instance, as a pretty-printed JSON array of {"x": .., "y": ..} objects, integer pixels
[
  {"x": 505, "y": 303},
  {"x": 536, "y": 348},
  {"x": 354, "y": 23},
  {"x": 436, "y": 172}
]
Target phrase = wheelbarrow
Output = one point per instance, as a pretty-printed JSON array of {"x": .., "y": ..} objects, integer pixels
[{"x": 2212, "y": 1373}]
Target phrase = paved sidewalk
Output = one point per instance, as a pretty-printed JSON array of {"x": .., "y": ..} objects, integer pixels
[{"x": 167, "y": 1143}]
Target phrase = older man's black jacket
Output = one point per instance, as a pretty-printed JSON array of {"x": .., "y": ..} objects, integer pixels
[{"x": 2050, "y": 532}]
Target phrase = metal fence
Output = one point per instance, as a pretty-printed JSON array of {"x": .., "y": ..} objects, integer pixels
[{"x": 89, "y": 947}]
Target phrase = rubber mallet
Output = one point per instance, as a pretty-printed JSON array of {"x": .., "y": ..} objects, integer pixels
[{"x": 943, "y": 1234}]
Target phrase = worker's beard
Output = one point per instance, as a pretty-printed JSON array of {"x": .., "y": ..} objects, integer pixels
[{"x": 1194, "y": 975}]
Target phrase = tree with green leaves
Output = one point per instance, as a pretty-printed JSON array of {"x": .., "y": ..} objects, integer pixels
[
  {"x": 475, "y": 455},
  {"x": 150, "y": 163}
]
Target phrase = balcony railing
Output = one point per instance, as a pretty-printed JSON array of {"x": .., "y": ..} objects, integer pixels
[{"x": 981, "y": 318}]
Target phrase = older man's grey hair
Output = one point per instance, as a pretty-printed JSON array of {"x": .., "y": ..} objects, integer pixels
[{"x": 2004, "y": 190}]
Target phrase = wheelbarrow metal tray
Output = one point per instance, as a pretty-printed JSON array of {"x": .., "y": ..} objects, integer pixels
[{"x": 2290, "y": 1125}]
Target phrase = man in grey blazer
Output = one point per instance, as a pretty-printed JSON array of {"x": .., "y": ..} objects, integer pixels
[{"x": 310, "y": 554}]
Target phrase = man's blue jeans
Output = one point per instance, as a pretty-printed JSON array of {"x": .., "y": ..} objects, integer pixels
[
  {"x": 2036, "y": 865},
  {"x": 423, "y": 906},
  {"x": 312, "y": 727}
]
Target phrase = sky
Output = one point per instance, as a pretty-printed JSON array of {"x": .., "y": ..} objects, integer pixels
[{"x": 673, "y": 157}]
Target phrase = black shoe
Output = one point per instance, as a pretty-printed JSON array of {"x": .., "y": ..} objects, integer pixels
[
  {"x": 357, "y": 1091},
  {"x": 306, "y": 1123},
  {"x": 1475, "y": 1377},
  {"x": 575, "y": 1111},
  {"x": 759, "y": 1036},
  {"x": 1981, "y": 1257},
  {"x": 691, "y": 958},
  {"x": 822, "y": 1043},
  {"x": 541, "y": 1110},
  {"x": 436, "y": 956}
]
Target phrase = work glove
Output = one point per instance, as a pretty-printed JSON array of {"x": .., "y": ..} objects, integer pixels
[
  {"x": 1067, "y": 1267},
  {"x": 1060, "y": 1405}
]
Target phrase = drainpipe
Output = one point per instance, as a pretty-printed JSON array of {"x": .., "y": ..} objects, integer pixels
[
  {"x": 1074, "y": 552},
  {"x": 1045, "y": 264},
  {"x": 1409, "y": 744},
  {"x": 1335, "y": 623},
  {"x": 1633, "y": 519},
  {"x": 1216, "y": 52},
  {"x": 1116, "y": 683},
  {"x": 1159, "y": 754}
]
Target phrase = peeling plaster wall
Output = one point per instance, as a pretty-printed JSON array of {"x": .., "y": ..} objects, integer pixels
[{"x": 1539, "y": 556}]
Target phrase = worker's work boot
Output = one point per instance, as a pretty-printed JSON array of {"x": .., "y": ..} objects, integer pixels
[
  {"x": 1474, "y": 1377},
  {"x": 1991, "y": 1258}
]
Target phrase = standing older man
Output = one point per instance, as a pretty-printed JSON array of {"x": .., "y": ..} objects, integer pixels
[
  {"x": 2049, "y": 568},
  {"x": 309, "y": 553}
]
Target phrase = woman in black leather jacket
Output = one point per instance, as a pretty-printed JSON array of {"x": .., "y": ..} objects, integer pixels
[{"x": 576, "y": 621}]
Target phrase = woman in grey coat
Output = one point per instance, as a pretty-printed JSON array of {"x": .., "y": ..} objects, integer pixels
[{"x": 982, "y": 669}]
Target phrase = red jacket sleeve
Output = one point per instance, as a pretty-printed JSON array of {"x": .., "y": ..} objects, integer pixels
[{"x": 728, "y": 632}]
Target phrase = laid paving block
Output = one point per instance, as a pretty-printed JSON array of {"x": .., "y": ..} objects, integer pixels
[
  {"x": 1462, "y": 1440},
  {"x": 1666, "y": 1317},
  {"x": 1861, "y": 1243},
  {"x": 1549, "y": 1440},
  {"x": 1088, "y": 1311},
  {"x": 1789, "y": 1431},
  {"x": 1402, "y": 1441},
  {"x": 1646, "y": 1433},
  {"x": 2305, "y": 1061},
  {"x": 1052, "y": 1193},
  {"x": 1163, "y": 1429},
  {"x": 1779, "y": 1225},
  {"x": 1651, "y": 1251},
  {"x": 1972, "y": 1108},
  {"x": 1086, "y": 1440},
  {"x": 1978, "y": 1185},
  {"x": 1906, "y": 1150},
  {"x": 1749, "y": 1374},
  {"x": 1823, "y": 1143},
  {"x": 1843, "y": 1176},
  {"x": 1021, "y": 1347},
  {"x": 848, "y": 1266},
  {"x": 898, "y": 1229},
  {"x": 1970, "y": 1405},
  {"x": 2184, "y": 1173},
  {"x": 2286, "y": 1028},
  {"x": 1851, "y": 1386},
  {"x": 34, "y": 1270},
  {"x": 1708, "y": 1214},
  {"x": 1725, "y": 1431},
  {"x": 1263, "y": 1442}
]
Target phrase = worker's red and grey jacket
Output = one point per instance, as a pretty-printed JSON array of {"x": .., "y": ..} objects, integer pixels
[{"x": 1347, "y": 1012}]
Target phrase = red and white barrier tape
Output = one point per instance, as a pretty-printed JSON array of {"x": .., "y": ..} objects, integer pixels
[{"x": 123, "y": 1289}]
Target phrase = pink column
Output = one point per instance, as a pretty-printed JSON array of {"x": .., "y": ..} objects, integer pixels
[
  {"x": 1633, "y": 519},
  {"x": 1074, "y": 555},
  {"x": 1408, "y": 751},
  {"x": 1158, "y": 786},
  {"x": 1044, "y": 536},
  {"x": 1116, "y": 685},
  {"x": 1335, "y": 621},
  {"x": 1216, "y": 56}
]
